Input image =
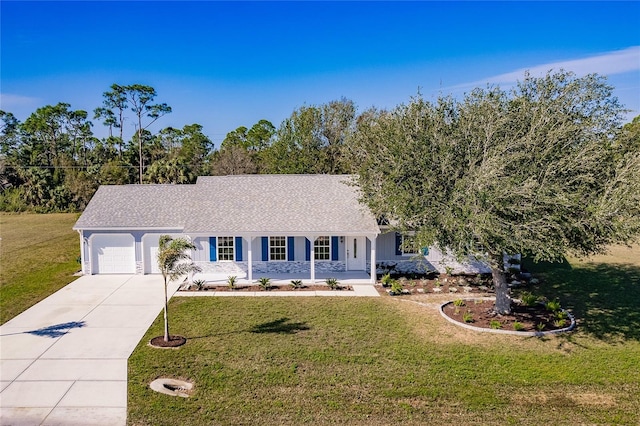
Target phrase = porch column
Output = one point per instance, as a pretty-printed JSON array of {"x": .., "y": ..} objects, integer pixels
[
  {"x": 193, "y": 256},
  {"x": 312, "y": 257},
  {"x": 373, "y": 259},
  {"x": 249, "y": 259}
]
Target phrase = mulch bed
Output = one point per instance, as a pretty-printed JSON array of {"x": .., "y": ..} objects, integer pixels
[
  {"x": 174, "y": 342},
  {"x": 482, "y": 314},
  {"x": 443, "y": 284},
  {"x": 252, "y": 288}
]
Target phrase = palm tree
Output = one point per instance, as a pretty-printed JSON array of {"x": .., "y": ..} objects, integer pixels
[{"x": 173, "y": 261}]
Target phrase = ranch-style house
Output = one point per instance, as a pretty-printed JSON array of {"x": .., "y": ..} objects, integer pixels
[{"x": 248, "y": 226}]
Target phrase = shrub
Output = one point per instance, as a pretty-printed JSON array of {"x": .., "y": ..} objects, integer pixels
[
  {"x": 553, "y": 305},
  {"x": 231, "y": 281},
  {"x": 528, "y": 299},
  {"x": 540, "y": 326},
  {"x": 265, "y": 283},
  {"x": 448, "y": 270},
  {"x": 560, "y": 323},
  {"x": 396, "y": 287},
  {"x": 467, "y": 317},
  {"x": 437, "y": 283},
  {"x": 560, "y": 315},
  {"x": 332, "y": 283},
  {"x": 517, "y": 326},
  {"x": 199, "y": 284},
  {"x": 496, "y": 325},
  {"x": 296, "y": 284},
  {"x": 458, "y": 302},
  {"x": 386, "y": 280}
]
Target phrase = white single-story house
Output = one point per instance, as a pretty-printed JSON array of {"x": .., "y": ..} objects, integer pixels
[{"x": 248, "y": 226}]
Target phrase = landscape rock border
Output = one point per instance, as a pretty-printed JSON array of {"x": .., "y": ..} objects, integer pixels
[{"x": 501, "y": 331}]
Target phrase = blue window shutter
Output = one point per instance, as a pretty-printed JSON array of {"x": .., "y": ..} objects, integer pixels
[
  {"x": 307, "y": 249},
  {"x": 290, "y": 249},
  {"x": 212, "y": 249},
  {"x": 334, "y": 248},
  {"x": 398, "y": 244},
  {"x": 238, "y": 249},
  {"x": 425, "y": 251},
  {"x": 265, "y": 249}
]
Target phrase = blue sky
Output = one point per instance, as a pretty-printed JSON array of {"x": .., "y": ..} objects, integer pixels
[{"x": 225, "y": 65}]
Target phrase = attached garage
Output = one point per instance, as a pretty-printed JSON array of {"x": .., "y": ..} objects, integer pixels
[{"x": 113, "y": 254}]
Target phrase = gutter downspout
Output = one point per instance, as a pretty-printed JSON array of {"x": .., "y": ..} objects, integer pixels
[{"x": 81, "y": 233}]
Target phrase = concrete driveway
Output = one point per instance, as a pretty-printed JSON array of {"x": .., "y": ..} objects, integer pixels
[{"x": 64, "y": 360}]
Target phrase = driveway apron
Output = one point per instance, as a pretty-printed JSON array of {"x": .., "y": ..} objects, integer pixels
[{"x": 64, "y": 360}]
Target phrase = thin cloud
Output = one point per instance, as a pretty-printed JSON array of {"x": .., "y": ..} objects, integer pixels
[
  {"x": 610, "y": 63},
  {"x": 10, "y": 101}
]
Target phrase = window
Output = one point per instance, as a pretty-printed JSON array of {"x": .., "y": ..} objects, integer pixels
[
  {"x": 322, "y": 248},
  {"x": 225, "y": 248},
  {"x": 406, "y": 245},
  {"x": 277, "y": 248},
  {"x": 409, "y": 245}
]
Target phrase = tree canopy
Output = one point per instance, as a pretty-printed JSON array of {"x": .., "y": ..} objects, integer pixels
[{"x": 536, "y": 170}]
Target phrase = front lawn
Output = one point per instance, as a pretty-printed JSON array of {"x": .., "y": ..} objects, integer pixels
[
  {"x": 378, "y": 361},
  {"x": 38, "y": 255}
]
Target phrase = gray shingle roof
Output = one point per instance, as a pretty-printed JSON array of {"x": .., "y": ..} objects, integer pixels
[
  {"x": 242, "y": 204},
  {"x": 137, "y": 206}
]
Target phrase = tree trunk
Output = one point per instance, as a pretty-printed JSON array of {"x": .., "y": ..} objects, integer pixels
[
  {"x": 140, "y": 148},
  {"x": 503, "y": 301},
  {"x": 166, "y": 314}
]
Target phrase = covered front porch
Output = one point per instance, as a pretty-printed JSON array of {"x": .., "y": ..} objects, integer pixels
[
  {"x": 344, "y": 278},
  {"x": 310, "y": 258}
]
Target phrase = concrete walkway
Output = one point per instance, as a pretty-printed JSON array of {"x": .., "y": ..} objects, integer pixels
[{"x": 64, "y": 360}]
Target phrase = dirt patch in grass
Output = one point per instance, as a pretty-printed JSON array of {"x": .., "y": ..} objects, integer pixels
[{"x": 590, "y": 399}]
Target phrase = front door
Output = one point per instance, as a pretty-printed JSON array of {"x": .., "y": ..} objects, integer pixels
[{"x": 356, "y": 253}]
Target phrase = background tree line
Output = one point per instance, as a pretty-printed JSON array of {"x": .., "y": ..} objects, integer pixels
[{"x": 53, "y": 161}]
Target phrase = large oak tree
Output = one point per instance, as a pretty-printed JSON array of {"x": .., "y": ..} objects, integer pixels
[{"x": 536, "y": 170}]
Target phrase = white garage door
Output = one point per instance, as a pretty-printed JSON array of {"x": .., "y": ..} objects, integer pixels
[{"x": 113, "y": 254}]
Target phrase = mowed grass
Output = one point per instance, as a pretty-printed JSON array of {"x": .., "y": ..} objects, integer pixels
[
  {"x": 381, "y": 361},
  {"x": 38, "y": 255}
]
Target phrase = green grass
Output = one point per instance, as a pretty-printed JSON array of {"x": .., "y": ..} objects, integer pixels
[
  {"x": 603, "y": 292},
  {"x": 37, "y": 256},
  {"x": 384, "y": 361}
]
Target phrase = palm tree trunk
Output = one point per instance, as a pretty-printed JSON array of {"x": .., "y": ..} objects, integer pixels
[{"x": 166, "y": 312}]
